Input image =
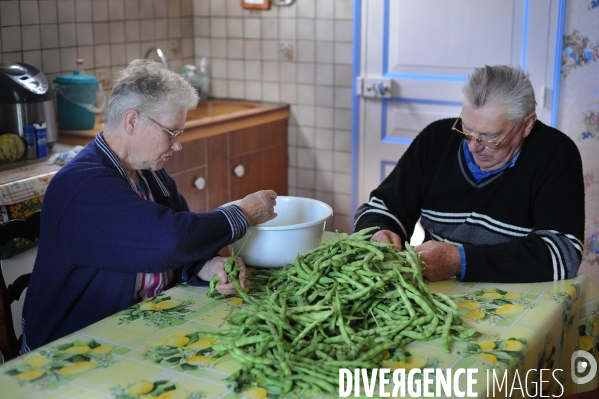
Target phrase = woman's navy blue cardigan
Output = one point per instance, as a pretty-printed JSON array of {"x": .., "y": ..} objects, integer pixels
[{"x": 97, "y": 234}]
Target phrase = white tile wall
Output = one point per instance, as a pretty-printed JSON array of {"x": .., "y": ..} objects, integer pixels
[
  {"x": 244, "y": 49},
  {"x": 52, "y": 34}
]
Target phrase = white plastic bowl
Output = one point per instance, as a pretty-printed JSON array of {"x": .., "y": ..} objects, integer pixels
[{"x": 296, "y": 230}]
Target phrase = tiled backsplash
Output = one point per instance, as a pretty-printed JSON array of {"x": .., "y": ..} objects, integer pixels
[{"x": 299, "y": 54}]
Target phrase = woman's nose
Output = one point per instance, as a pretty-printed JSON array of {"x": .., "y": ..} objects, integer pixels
[{"x": 176, "y": 145}]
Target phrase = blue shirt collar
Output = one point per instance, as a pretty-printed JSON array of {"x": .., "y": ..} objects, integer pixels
[{"x": 479, "y": 174}]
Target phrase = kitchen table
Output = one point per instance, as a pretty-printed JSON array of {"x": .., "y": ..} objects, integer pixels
[{"x": 158, "y": 348}]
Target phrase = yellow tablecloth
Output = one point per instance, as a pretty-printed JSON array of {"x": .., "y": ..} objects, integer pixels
[{"x": 158, "y": 347}]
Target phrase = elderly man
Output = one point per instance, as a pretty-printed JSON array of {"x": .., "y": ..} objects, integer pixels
[
  {"x": 499, "y": 194},
  {"x": 115, "y": 230}
]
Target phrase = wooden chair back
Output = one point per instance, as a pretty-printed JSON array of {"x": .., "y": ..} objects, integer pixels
[{"x": 29, "y": 229}]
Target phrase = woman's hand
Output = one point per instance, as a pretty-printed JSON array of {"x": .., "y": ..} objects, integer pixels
[
  {"x": 259, "y": 206},
  {"x": 216, "y": 267}
]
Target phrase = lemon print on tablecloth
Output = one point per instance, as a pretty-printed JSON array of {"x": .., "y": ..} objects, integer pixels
[
  {"x": 572, "y": 291},
  {"x": 141, "y": 388},
  {"x": 162, "y": 389},
  {"x": 487, "y": 358},
  {"x": 513, "y": 345},
  {"x": 177, "y": 341},
  {"x": 199, "y": 360},
  {"x": 78, "y": 368},
  {"x": 168, "y": 304},
  {"x": 54, "y": 365},
  {"x": 175, "y": 394},
  {"x": 412, "y": 362},
  {"x": 491, "y": 295},
  {"x": 78, "y": 350},
  {"x": 29, "y": 375},
  {"x": 475, "y": 315},
  {"x": 497, "y": 353},
  {"x": 588, "y": 334},
  {"x": 255, "y": 393},
  {"x": 493, "y": 306},
  {"x": 159, "y": 311},
  {"x": 190, "y": 351},
  {"x": 510, "y": 309},
  {"x": 103, "y": 349},
  {"x": 567, "y": 293},
  {"x": 202, "y": 344},
  {"x": 147, "y": 306},
  {"x": 471, "y": 305},
  {"x": 486, "y": 343},
  {"x": 38, "y": 361}
]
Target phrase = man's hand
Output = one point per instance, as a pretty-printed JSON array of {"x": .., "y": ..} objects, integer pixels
[
  {"x": 216, "y": 267},
  {"x": 259, "y": 206},
  {"x": 388, "y": 237},
  {"x": 442, "y": 260}
]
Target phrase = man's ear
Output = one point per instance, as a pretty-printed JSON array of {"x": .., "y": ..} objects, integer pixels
[
  {"x": 131, "y": 121},
  {"x": 529, "y": 122}
]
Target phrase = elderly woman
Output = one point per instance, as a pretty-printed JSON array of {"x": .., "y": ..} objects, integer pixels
[{"x": 115, "y": 230}]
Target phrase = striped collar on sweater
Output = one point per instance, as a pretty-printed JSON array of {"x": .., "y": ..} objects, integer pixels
[{"x": 116, "y": 163}]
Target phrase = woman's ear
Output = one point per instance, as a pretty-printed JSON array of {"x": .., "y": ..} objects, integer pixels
[{"x": 131, "y": 121}]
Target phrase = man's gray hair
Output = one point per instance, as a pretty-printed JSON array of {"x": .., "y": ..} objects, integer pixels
[
  {"x": 501, "y": 85},
  {"x": 148, "y": 87}
]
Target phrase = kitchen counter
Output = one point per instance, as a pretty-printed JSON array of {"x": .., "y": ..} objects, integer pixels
[
  {"x": 210, "y": 118},
  {"x": 26, "y": 179}
]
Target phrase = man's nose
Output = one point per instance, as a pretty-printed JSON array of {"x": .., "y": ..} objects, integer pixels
[{"x": 474, "y": 145}]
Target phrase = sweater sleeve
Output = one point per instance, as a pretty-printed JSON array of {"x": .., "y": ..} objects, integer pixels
[
  {"x": 395, "y": 204},
  {"x": 103, "y": 224},
  {"x": 553, "y": 249}
]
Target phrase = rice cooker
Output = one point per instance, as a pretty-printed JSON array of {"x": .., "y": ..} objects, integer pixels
[{"x": 26, "y": 97}]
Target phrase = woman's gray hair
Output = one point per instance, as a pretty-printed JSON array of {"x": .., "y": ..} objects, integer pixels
[
  {"x": 148, "y": 87},
  {"x": 501, "y": 85}
]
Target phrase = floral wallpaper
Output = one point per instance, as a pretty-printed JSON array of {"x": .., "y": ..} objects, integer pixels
[{"x": 579, "y": 112}]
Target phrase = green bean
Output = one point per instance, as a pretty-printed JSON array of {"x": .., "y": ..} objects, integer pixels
[
  {"x": 342, "y": 304},
  {"x": 445, "y": 333}
]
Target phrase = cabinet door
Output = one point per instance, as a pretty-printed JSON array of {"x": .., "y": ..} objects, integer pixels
[
  {"x": 218, "y": 175},
  {"x": 191, "y": 156},
  {"x": 258, "y": 159},
  {"x": 188, "y": 168},
  {"x": 192, "y": 185},
  {"x": 261, "y": 170}
]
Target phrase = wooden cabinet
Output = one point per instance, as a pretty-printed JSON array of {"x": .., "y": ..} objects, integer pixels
[
  {"x": 231, "y": 149},
  {"x": 214, "y": 170}
]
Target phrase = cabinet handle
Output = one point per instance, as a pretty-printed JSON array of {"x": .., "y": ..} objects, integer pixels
[
  {"x": 200, "y": 183},
  {"x": 239, "y": 170}
]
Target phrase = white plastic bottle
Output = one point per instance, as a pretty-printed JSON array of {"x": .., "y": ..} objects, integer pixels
[{"x": 79, "y": 70}]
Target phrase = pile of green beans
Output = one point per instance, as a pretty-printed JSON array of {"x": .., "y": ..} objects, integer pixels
[{"x": 342, "y": 305}]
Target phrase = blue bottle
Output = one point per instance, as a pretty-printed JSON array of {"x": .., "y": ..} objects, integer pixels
[
  {"x": 30, "y": 139},
  {"x": 40, "y": 134}
]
